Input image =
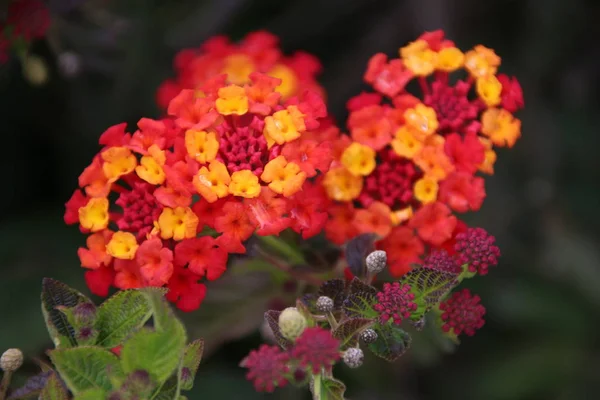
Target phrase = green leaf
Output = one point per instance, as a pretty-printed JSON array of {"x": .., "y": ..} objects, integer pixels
[
  {"x": 429, "y": 286},
  {"x": 391, "y": 341},
  {"x": 56, "y": 294},
  {"x": 360, "y": 300},
  {"x": 158, "y": 352},
  {"x": 347, "y": 331},
  {"x": 120, "y": 315},
  {"x": 324, "y": 388},
  {"x": 191, "y": 362},
  {"x": 162, "y": 314},
  {"x": 170, "y": 390},
  {"x": 138, "y": 384},
  {"x": 272, "y": 318},
  {"x": 54, "y": 389},
  {"x": 86, "y": 367},
  {"x": 91, "y": 394},
  {"x": 82, "y": 318}
]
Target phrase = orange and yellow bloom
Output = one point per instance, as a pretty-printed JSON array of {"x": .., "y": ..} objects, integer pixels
[{"x": 412, "y": 161}]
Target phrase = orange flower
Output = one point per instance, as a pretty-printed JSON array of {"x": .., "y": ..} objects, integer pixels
[
  {"x": 244, "y": 184},
  {"x": 177, "y": 223},
  {"x": 375, "y": 219},
  {"x": 150, "y": 168},
  {"x": 213, "y": 182},
  {"x": 340, "y": 226},
  {"x": 406, "y": 142},
  {"x": 95, "y": 255},
  {"x": 94, "y": 215},
  {"x": 122, "y": 245},
  {"x": 481, "y": 61},
  {"x": 232, "y": 100},
  {"x": 450, "y": 59},
  {"x": 341, "y": 185},
  {"x": 201, "y": 145},
  {"x": 283, "y": 177},
  {"x": 426, "y": 190},
  {"x": 284, "y": 126},
  {"x": 369, "y": 127},
  {"x": 501, "y": 127},
  {"x": 118, "y": 161},
  {"x": 419, "y": 58},
  {"x": 422, "y": 119},
  {"x": 489, "y": 90},
  {"x": 434, "y": 162},
  {"x": 359, "y": 159},
  {"x": 238, "y": 68}
]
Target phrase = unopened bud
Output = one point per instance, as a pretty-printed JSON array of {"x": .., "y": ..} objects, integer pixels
[
  {"x": 376, "y": 261},
  {"x": 11, "y": 360},
  {"x": 353, "y": 357},
  {"x": 69, "y": 64},
  {"x": 35, "y": 70},
  {"x": 324, "y": 304},
  {"x": 291, "y": 323},
  {"x": 368, "y": 336}
]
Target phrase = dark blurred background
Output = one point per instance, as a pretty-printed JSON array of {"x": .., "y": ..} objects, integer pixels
[{"x": 105, "y": 60}]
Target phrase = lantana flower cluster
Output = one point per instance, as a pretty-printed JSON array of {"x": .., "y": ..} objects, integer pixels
[
  {"x": 313, "y": 350},
  {"x": 258, "y": 52},
  {"x": 166, "y": 204},
  {"x": 26, "y": 20},
  {"x": 410, "y": 163}
]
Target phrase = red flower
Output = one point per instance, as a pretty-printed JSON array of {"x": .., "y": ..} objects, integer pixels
[
  {"x": 433, "y": 223},
  {"x": 364, "y": 99},
  {"x": 315, "y": 349},
  {"x": 155, "y": 261},
  {"x": 462, "y": 192},
  {"x": 476, "y": 248},
  {"x": 512, "y": 94},
  {"x": 466, "y": 154},
  {"x": 387, "y": 78},
  {"x": 462, "y": 313},
  {"x": 440, "y": 260},
  {"x": 403, "y": 248},
  {"x": 72, "y": 207},
  {"x": 395, "y": 302},
  {"x": 340, "y": 226},
  {"x": 184, "y": 289},
  {"x": 100, "y": 280},
  {"x": 267, "y": 368},
  {"x": 308, "y": 210},
  {"x": 203, "y": 257}
]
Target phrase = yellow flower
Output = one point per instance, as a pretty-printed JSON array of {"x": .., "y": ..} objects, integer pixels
[
  {"x": 232, "y": 100},
  {"x": 122, "y": 245},
  {"x": 359, "y": 159}
]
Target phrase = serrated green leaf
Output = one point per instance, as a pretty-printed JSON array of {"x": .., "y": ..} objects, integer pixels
[
  {"x": 391, "y": 341},
  {"x": 91, "y": 394},
  {"x": 82, "y": 318},
  {"x": 55, "y": 294},
  {"x": 161, "y": 311},
  {"x": 272, "y": 318},
  {"x": 158, "y": 352},
  {"x": 54, "y": 389},
  {"x": 169, "y": 390},
  {"x": 347, "y": 331},
  {"x": 136, "y": 385},
  {"x": 360, "y": 300},
  {"x": 324, "y": 388},
  {"x": 191, "y": 361},
  {"x": 86, "y": 367},
  {"x": 429, "y": 286},
  {"x": 120, "y": 315}
]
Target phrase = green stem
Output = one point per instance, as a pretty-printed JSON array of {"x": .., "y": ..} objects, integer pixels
[
  {"x": 4, "y": 384},
  {"x": 317, "y": 388},
  {"x": 278, "y": 244}
]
